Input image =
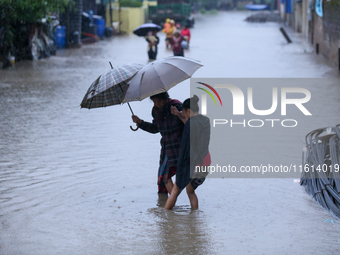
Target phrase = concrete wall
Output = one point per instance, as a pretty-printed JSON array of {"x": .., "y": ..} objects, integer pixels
[
  {"x": 326, "y": 30},
  {"x": 298, "y": 17},
  {"x": 130, "y": 17},
  {"x": 150, "y": 2},
  {"x": 305, "y": 23}
]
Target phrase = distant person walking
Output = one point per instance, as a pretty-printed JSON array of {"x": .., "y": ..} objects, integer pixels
[
  {"x": 173, "y": 26},
  {"x": 153, "y": 41},
  {"x": 168, "y": 31},
  {"x": 194, "y": 151},
  {"x": 186, "y": 34},
  {"x": 176, "y": 41}
]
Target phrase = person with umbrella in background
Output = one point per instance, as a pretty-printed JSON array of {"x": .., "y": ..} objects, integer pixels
[
  {"x": 171, "y": 129},
  {"x": 153, "y": 41},
  {"x": 149, "y": 32}
]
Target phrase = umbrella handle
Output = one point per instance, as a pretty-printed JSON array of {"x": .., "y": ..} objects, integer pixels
[{"x": 134, "y": 129}]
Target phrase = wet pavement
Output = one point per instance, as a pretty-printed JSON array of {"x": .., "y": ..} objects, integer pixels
[{"x": 78, "y": 181}]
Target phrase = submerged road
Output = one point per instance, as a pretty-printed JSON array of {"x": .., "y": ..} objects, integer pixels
[{"x": 78, "y": 181}]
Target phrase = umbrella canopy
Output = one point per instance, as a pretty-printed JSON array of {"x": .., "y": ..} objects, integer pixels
[
  {"x": 143, "y": 30},
  {"x": 160, "y": 76},
  {"x": 110, "y": 87}
]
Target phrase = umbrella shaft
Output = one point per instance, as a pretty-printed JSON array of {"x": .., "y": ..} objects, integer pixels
[
  {"x": 122, "y": 89},
  {"x": 130, "y": 109}
]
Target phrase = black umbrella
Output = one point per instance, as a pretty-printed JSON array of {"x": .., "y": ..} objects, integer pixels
[
  {"x": 110, "y": 87},
  {"x": 143, "y": 30}
]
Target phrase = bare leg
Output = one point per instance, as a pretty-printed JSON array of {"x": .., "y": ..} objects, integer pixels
[
  {"x": 192, "y": 196},
  {"x": 173, "y": 198},
  {"x": 169, "y": 185},
  {"x": 162, "y": 197}
]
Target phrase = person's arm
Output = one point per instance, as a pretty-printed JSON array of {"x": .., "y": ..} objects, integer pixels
[
  {"x": 144, "y": 125},
  {"x": 149, "y": 127},
  {"x": 183, "y": 161},
  {"x": 149, "y": 42},
  {"x": 179, "y": 114}
]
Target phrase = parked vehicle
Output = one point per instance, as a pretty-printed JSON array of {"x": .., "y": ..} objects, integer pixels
[{"x": 180, "y": 12}]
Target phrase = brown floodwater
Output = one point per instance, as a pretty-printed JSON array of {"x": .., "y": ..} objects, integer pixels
[{"x": 78, "y": 181}]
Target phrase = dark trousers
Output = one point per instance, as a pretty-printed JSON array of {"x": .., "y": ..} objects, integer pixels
[
  {"x": 180, "y": 54},
  {"x": 152, "y": 54}
]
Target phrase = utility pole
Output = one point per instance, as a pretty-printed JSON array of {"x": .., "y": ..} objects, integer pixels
[
  {"x": 272, "y": 4},
  {"x": 110, "y": 2},
  {"x": 119, "y": 11},
  {"x": 68, "y": 30}
]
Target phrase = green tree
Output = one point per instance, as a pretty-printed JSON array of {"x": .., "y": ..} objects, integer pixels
[
  {"x": 33, "y": 10},
  {"x": 130, "y": 3},
  {"x": 14, "y": 12}
]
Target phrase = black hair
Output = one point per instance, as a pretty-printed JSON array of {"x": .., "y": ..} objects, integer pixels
[
  {"x": 191, "y": 103},
  {"x": 163, "y": 96}
]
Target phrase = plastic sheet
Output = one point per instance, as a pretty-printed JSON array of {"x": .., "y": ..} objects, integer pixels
[{"x": 320, "y": 159}]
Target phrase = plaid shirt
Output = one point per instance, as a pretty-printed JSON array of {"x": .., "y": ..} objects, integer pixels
[{"x": 171, "y": 129}]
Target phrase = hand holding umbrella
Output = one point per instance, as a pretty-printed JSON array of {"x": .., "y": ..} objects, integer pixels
[{"x": 136, "y": 120}]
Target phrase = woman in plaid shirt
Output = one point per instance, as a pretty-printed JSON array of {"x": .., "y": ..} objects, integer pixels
[{"x": 171, "y": 129}]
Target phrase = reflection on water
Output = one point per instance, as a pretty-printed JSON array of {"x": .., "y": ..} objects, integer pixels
[
  {"x": 78, "y": 181},
  {"x": 182, "y": 231}
]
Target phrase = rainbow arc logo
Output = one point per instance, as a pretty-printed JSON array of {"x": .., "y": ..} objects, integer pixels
[{"x": 209, "y": 93}]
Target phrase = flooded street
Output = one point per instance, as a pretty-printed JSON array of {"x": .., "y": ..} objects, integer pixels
[{"x": 78, "y": 181}]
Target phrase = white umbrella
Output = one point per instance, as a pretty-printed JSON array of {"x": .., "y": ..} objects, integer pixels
[{"x": 159, "y": 76}]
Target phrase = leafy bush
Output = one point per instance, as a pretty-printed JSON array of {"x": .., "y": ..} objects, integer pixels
[
  {"x": 131, "y": 3},
  {"x": 203, "y": 10},
  {"x": 32, "y": 10},
  {"x": 213, "y": 11}
]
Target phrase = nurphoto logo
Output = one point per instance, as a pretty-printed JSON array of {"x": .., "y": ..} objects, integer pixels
[{"x": 286, "y": 97}]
